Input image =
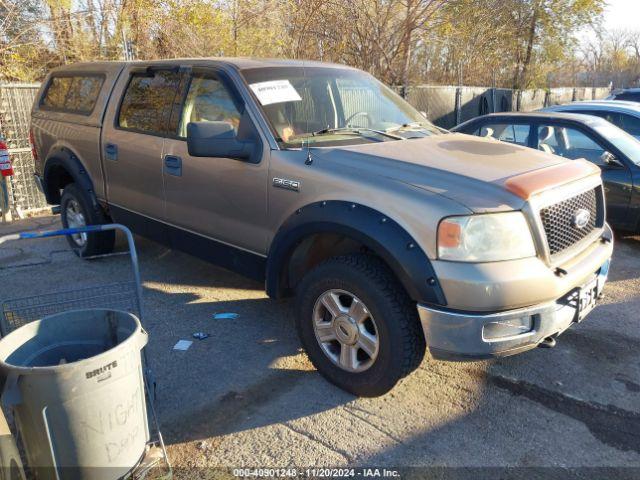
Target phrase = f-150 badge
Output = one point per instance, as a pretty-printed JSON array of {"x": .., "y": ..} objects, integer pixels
[{"x": 286, "y": 184}]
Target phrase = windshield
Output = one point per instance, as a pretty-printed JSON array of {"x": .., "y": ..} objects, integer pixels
[
  {"x": 627, "y": 144},
  {"x": 319, "y": 106}
]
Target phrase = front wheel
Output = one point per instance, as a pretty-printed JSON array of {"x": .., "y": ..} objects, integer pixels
[
  {"x": 359, "y": 327},
  {"x": 76, "y": 211}
]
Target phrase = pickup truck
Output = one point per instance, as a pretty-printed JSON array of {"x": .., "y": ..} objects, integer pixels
[{"x": 393, "y": 235}]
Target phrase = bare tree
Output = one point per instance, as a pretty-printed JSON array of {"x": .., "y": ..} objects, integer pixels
[{"x": 517, "y": 43}]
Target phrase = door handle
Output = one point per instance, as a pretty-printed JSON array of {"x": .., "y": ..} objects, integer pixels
[
  {"x": 111, "y": 151},
  {"x": 173, "y": 165}
]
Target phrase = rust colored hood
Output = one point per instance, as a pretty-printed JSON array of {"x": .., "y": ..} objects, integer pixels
[{"x": 527, "y": 184}]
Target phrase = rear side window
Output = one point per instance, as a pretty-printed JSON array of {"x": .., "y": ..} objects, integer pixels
[
  {"x": 73, "y": 94},
  {"x": 631, "y": 125},
  {"x": 613, "y": 117},
  {"x": 628, "y": 123},
  {"x": 506, "y": 132},
  {"x": 146, "y": 104}
]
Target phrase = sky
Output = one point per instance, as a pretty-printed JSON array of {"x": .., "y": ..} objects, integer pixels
[
  {"x": 622, "y": 14},
  {"x": 618, "y": 15}
]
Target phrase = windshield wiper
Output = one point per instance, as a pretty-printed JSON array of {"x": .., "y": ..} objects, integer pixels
[
  {"x": 414, "y": 125},
  {"x": 357, "y": 131}
]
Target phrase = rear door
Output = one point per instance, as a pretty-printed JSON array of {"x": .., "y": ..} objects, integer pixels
[{"x": 133, "y": 140}]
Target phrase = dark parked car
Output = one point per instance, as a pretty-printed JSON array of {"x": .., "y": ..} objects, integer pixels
[
  {"x": 628, "y": 94},
  {"x": 575, "y": 136},
  {"x": 623, "y": 114}
]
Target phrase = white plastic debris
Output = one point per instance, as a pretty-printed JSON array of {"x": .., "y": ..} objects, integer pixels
[{"x": 182, "y": 345}]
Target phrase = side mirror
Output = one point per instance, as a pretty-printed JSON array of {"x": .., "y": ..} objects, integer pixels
[
  {"x": 216, "y": 139},
  {"x": 609, "y": 159}
]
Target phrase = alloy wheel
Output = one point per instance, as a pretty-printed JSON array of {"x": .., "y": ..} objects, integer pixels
[
  {"x": 346, "y": 331},
  {"x": 75, "y": 219}
]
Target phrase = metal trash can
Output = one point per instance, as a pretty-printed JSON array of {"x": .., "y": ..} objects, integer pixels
[{"x": 76, "y": 383}]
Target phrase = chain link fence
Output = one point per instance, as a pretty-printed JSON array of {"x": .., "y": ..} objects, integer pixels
[
  {"x": 446, "y": 106},
  {"x": 437, "y": 103},
  {"x": 15, "y": 112}
]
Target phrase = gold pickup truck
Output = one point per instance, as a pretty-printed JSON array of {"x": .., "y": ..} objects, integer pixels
[{"x": 393, "y": 234}]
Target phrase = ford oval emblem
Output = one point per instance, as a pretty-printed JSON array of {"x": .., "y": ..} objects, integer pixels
[{"x": 581, "y": 218}]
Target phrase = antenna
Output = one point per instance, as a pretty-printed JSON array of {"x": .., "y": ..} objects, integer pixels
[{"x": 309, "y": 159}]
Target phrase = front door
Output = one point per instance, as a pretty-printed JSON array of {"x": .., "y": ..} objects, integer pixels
[
  {"x": 133, "y": 140},
  {"x": 221, "y": 199}
]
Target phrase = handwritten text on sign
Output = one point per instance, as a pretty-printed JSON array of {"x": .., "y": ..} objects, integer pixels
[{"x": 275, "y": 91}]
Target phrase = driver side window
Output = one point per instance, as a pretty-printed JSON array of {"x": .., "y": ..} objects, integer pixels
[{"x": 208, "y": 100}]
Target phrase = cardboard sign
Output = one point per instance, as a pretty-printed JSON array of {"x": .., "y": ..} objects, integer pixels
[{"x": 275, "y": 91}]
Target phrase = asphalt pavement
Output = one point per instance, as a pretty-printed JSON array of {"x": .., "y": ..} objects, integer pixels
[{"x": 247, "y": 396}]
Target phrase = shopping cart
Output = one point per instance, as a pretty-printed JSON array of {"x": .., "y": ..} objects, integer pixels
[{"x": 125, "y": 295}]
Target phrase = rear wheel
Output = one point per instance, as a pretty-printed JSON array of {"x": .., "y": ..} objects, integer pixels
[
  {"x": 358, "y": 325},
  {"x": 76, "y": 211}
]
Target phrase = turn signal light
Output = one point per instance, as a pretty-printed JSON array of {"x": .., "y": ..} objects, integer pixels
[{"x": 449, "y": 234}]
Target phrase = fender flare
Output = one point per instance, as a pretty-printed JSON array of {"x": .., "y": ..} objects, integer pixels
[
  {"x": 62, "y": 157},
  {"x": 376, "y": 231}
]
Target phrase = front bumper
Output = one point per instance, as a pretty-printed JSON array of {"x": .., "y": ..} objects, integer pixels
[
  {"x": 454, "y": 335},
  {"x": 499, "y": 286}
]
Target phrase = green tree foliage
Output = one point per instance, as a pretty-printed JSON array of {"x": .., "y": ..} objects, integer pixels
[
  {"x": 23, "y": 53},
  {"x": 514, "y": 43},
  {"x": 611, "y": 56},
  {"x": 517, "y": 43},
  {"x": 548, "y": 27}
]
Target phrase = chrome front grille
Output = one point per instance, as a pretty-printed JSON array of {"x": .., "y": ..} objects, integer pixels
[{"x": 559, "y": 220}]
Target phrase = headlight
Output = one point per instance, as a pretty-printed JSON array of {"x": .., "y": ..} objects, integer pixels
[{"x": 485, "y": 238}]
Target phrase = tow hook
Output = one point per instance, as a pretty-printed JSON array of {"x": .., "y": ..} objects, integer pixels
[
  {"x": 560, "y": 272},
  {"x": 548, "y": 342}
]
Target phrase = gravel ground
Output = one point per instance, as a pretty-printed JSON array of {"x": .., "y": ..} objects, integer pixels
[{"x": 248, "y": 396}]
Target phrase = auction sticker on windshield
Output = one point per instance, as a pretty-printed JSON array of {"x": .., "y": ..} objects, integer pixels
[{"x": 275, "y": 91}]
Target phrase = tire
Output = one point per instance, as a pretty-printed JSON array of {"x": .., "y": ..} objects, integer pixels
[
  {"x": 396, "y": 327},
  {"x": 76, "y": 210}
]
